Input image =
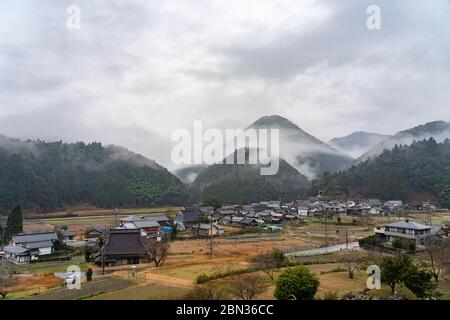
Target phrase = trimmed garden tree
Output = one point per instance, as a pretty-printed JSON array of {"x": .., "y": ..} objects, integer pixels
[{"x": 296, "y": 283}]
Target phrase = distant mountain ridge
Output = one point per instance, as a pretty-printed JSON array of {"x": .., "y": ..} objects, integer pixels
[
  {"x": 309, "y": 155},
  {"x": 439, "y": 130},
  {"x": 357, "y": 143}
]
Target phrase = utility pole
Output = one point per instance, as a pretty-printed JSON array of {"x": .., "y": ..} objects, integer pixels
[
  {"x": 346, "y": 238},
  {"x": 211, "y": 237},
  {"x": 103, "y": 254},
  {"x": 326, "y": 231}
]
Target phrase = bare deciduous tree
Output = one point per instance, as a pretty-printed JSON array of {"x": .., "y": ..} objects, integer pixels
[
  {"x": 268, "y": 262},
  {"x": 247, "y": 286},
  {"x": 436, "y": 255},
  {"x": 208, "y": 291},
  {"x": 5, "y": 277},
  {"x": 156, "y": 251}
]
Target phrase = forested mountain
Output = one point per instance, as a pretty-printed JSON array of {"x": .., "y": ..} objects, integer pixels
[
  {"x": 405, "y": 172},
  {"x": 243, "y": 183},
  {"x": 45, "y": 176},
  {"x": 307, "y": 154},
  {"x": 439, "y": 130},
  {"x": 357, "y": 143}
]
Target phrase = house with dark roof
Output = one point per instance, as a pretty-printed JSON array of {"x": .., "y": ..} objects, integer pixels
[
  {"x": 249, "y": 222},
  {"x": 26, "y": 247},
  {"x": 147, "y": 228},
  {"x": 68, "y": 235},
  {"x": 162, "y": 219},
  {"x": 96, "y": 232},
  {"x": 226, "y": 211},
  {"x": 207, "y": 229},
  {"x": 406, "y": 230},
  {"x": 122, "y": 246},
  {"x": 188, "y": 215}
]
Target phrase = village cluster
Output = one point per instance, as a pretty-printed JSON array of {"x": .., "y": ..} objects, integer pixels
[{"x": 124, "y": 244}]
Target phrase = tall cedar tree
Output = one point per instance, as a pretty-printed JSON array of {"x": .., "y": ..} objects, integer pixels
[{"x": 15, "y": 222}]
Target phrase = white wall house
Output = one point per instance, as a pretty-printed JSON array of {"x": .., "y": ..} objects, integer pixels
[{"x": 31, "y": 246}]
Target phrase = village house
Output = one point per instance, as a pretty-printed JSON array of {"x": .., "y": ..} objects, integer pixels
[
  {"x": 122, "y": 246},
  {"x": 147, "y": 228},
  {"x": 249, "y": 222},
  {"x": 226, "y": 211},
  {"x": 406, "y": 230},
  {"x": 68, "y": 235},
  {"x": 302, "y": 211},
  {"x": 188, "y": 216},
  {"x": 29, "y": 247},
  {"x": 207, "y": 229}
]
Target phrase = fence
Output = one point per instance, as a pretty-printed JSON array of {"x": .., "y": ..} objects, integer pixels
[{"x": 131, "y": 275}]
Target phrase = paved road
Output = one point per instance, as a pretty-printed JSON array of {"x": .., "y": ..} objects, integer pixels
[{"x": 325, "y": 250}]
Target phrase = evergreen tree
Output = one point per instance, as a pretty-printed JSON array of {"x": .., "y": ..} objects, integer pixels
[{"x": 15, "y": 222}]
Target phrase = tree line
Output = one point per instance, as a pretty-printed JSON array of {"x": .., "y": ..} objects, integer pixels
[
  {"x": 46, "y": 176},
  {"x": 400, "y": 173}
]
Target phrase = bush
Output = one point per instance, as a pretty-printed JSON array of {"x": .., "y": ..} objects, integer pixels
[
  {"x": 202, "y": 278},
  {"x": 331, "y": 296},
  {"x": 89, "y": 273},
  {"x": 368, "y": 241},
  {"x": 298, "y": 283}
]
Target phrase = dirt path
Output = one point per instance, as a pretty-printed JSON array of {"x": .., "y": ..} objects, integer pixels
[{"x": 167, "y": 280}]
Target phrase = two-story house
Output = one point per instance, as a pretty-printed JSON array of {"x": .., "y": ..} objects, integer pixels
[{"x": 407, "y": 230}]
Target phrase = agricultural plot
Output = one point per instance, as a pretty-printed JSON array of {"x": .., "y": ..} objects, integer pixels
[{"x": 88, "y": 289}]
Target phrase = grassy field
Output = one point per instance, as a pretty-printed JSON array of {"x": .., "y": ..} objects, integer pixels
[
  {"x": 152, "y": 291},
  {"x": 51, "y": 266},
  {"x": 88, "y": 290}
]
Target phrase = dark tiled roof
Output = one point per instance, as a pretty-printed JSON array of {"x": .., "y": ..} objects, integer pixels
[
  {"x": 67, "y": 233},
  {"x": 145, "y": 224},
  {"x": 34, "y": 237},
  {"x": 248, "y": 221},
  {"x": 40, "y": 244},
  {"x": 408, "y": 225},
  {"x": 16, "y": 250},
  {"x": 161, "y": 218},
  {"x": 190, "y": 214},
  {"x": 124, "y": 242}
]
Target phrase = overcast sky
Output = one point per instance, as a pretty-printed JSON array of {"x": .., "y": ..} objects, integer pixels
[{"x": 138, "y": 69}]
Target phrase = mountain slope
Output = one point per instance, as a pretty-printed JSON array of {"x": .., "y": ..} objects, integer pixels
[
  {"x": 418, "y": 172},
  {"x": 45, "y": 176},
  {"x": 439, "y": 130},
  {"x": 357, "y": 143},
  {"x": 307, "y": 154},
  {"x": 243, "y": 183}
]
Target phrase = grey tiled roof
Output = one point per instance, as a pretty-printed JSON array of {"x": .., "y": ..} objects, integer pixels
[
  {"x": 408, "y": 225},
  {"x": 41, "y": 244},
  {"x": 34, "y": 237},
  {"x": 161, "y": 218},
  {"x": 16, "y": 250},
  {"x": 145, "y": 224}
]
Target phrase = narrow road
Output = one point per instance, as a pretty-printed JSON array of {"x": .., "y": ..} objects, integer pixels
[{"x": 325, "y": 250}]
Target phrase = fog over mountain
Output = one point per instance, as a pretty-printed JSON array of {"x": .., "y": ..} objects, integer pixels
[
  {"x": 138, "y": 70},
  {"x": 439, "y": 130},
  {"x": 357, "y": 143},
  {"x": 306, "y": 153}
]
